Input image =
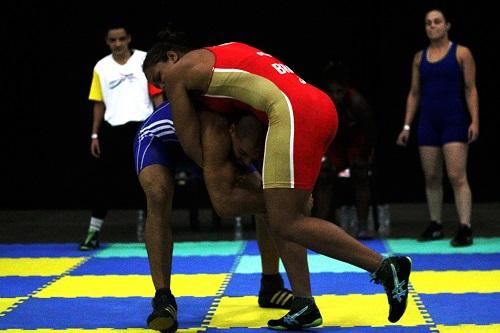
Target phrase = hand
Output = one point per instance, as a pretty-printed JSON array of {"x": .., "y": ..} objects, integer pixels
[
  {"x": 473, "y": 132},
  {"x": 403, "y": 138},
  {"x": 95, "y": 148}
]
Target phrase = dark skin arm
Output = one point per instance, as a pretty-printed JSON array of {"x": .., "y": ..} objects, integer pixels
[
  {"x": 189, "y": 75},
  {"x": 231, "y": 193}
]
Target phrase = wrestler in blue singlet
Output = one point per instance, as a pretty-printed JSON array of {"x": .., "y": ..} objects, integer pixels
[
  {"x": 156, "y": 143},
  {"x": 443, "y": 116}
]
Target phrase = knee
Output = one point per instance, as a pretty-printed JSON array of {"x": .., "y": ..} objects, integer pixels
[
  {"x": 433, "y": 179},
  {"x": 157, "y": 192},
  {"x": 457, "y": 179}
]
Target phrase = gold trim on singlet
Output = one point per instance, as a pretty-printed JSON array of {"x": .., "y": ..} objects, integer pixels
[{"x": 263, "y": 95}]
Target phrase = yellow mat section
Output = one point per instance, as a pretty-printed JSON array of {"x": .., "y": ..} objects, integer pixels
[
  {"x": 36, "y": 266},
  {"x": 243, "y": 312},
  {"x": 6, "y": 303},
  {"x": 344, "y": 311},
  {"x": 493, "y": 328},
  {"x": 131, "y": 286},
  {"x": 458, "y": 282}
]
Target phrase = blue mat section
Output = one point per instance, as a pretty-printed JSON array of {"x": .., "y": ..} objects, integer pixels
[
  {"x": 456, "y": 309},
  {"x": 136, "y": 265},
  {"x": 41, "y": 250},
  {"x": 321, "y": 283},
  {"x": 455, "y": 262},
  {"x": 105, "y": 312},
  {"x": 17, "y": 286},
  {"x": 375, "y": 244}
]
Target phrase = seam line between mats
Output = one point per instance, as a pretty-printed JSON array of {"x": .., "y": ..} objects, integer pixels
[
  {"x": 55, "y": 279},
  {"x": 218, "y": 296}
]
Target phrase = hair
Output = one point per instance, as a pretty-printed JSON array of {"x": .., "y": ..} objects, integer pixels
[
  {"x": 166, "y": 40},
  {"x": 437, "y": 10},
  {"x": 116, "y": 24},
  {"x": 335, "y": 72}
]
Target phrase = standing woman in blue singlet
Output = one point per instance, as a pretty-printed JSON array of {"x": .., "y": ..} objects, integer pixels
[{"x": 443, "y": 86}]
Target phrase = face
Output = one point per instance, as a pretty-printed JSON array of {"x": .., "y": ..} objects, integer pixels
[
  {"x": 156, "y": 74},
  {"x": 337, "y": 92},
  {"x": 159, "y": 73},
  {"x": 118, "y": 41},
  {"x": 436, "y": 26}
]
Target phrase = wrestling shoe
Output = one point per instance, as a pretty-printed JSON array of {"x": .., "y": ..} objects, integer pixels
[
  {"x": 303, "y": 314},
  {"x": 463, "y": 236},
  {"x": 394, "y": 273},
  {"x": 279, "y": 299},
  {"x": 164, "y": 315},
  {"x": 432, "y": 232},
  {"x": 91, "y": 242}
]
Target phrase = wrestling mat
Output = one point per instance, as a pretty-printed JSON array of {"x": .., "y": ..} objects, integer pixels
[{"x": 55, "y": 287}]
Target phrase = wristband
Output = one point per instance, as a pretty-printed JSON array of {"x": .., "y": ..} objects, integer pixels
[
  {"x": 94, "y": 136},
  {"x": 406, "y": 127}
]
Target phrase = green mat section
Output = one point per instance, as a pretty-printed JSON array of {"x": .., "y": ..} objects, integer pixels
[
  {"x": 250, "y": 264},
  {"x": 442, "y": 246},
  {"x": 181, "y": 249}
]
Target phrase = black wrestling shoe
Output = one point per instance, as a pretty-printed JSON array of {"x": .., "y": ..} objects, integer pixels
[
  {"x": 304, "y": 314},
  {"x": 463, "y": 236},
  {"x": 394, "y": 273},
  {"x": 164, "y": 315},
  {"x": 279, "y": 299},
  {"x": 91, "y": 242},
  {"x": 432, "y": 232}
]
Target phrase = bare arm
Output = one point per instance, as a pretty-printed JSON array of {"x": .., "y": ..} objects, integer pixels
[
  {"x": 190, "y": 74},
  {"x": 98, "y": 118},
  {"x": 471, "y": 97},
  {"x": 230, "y": 194},
  {"x": 412, "y": 100}
]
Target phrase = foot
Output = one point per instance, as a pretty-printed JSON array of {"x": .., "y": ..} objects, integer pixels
[
  {"x": 279, "y": 299},
  {"x": 463, "y": 236},
  {"x": 393, "y": 274},
  {"x": 91, "y": 242},
  {"x": 434, "y": 231},
  {"x": 164, "y": 315},
  {"x": 303, "y": 314}
]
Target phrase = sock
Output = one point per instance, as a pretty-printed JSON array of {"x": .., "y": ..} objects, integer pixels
[
  {"x": 95, "y": 224},
  {"x": 271, "y": 282}
]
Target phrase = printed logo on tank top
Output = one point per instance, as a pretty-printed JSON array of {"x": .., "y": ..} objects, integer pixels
[{"x": 279, "y": 67}]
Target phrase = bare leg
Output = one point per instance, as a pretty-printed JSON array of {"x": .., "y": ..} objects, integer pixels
[
  {"x": 359, "y": 172},
  {"x": 293, "y": 255},
  {"x": 158, "y": 185},
  {"x": 455, "y": 154},
  {"x": 432, "y": 166},
  {"x": 285, "y": 209}
]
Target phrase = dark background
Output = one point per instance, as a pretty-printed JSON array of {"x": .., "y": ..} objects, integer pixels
[{"x": 50, "y": 50}]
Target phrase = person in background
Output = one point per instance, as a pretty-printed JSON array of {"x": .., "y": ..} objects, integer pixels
[
  {"x": 352, "y": 149},
  {"x": 443, "y": 88},
  {"x": 121, "y": 99}
]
